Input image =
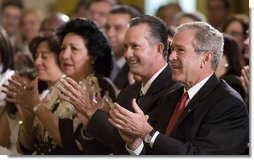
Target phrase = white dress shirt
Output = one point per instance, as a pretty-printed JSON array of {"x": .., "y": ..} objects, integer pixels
[{"x": 191, "y": 93}]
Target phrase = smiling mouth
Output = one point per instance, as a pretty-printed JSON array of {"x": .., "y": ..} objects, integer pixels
[
  {"x": 175, "y": 66},
  {"x": 132, "y": 62},
  {"x": 67, "y": 65}
]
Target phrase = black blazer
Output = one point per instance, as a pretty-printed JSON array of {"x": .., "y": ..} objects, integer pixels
[
  {"x": 99, "y": 126},
  {"x": 66, "y": 127},
  {"x": 215, "y": 122},
  {"x": 121, "y": 80},
  {"x": 234, "y": 81}
]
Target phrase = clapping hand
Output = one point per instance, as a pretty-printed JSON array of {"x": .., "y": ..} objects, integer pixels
[
  {"x": 22, "y": 92},
  {"x": 245, "y": 79},
  {"x": 129, "y": 122},
  {"x": 82, "y": 98}
]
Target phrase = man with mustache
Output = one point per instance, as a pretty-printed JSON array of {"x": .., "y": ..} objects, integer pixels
[{"x": 211, "y": 119}]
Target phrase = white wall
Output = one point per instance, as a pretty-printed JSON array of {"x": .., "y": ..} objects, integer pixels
[
  {"x": 43, "y": 5},
  {"x": 151, "y": 6}
]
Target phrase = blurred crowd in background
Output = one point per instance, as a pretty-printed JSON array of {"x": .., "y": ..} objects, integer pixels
[{"x": 23, "y": 28}]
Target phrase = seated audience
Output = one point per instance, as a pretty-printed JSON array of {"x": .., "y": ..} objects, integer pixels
[
  {"x": 146, "y": 48},
  {"x": 205, "y": 117},
  {"x": 45, "y": 52},
  {"x": 85, "y": 57}
]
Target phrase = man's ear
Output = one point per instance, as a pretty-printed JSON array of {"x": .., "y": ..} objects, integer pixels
[
  {"x": 207, "y": 57},
  {"x": 160, "y": 48}
]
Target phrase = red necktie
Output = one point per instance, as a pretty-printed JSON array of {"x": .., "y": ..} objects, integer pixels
[{"x": 178, "y": 111}]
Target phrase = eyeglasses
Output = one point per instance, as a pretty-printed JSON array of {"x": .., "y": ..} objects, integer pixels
[{"x": 236, "y": 34}]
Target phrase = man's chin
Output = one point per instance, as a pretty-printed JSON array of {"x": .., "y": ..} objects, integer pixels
[{"x": 176, "y": 77}]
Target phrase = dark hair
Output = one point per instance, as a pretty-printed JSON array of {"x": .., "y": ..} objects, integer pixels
[
  {"x": 226, "y": 4},
  {"x": 174, "y": 4},
  {"x": 52, "y": 43},
  {"x": 158, "y": 29},
  {"x": 171, "y": 30},
  {"x": 125, "y": 9},
  {"x": 16, "y": 3},
  {"x": 81, "y": 3},
  {"x": 195, "y": 16},
  {"x": 55, "y": 19},
  {"x": 233, "y": 54},
  {"x": 243, "y": 22},
  {"x": 95, "y": 41},
  {"x": 6, "y": 54},
  {"x": 90, "y": 2}
]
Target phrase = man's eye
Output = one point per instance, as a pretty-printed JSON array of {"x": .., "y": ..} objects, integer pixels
[
  {"x": 62, "y": 48},
  {"x": 135, "y": 46}
]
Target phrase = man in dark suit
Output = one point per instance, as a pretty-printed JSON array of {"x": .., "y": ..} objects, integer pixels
[
  {"x": 212, "y": 120},
  {"x": 115, "y": 29},
  {"x": 146, "y": 48}
]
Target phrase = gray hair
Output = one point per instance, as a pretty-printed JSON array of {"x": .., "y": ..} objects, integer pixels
[{"x": 207, "y": 38}]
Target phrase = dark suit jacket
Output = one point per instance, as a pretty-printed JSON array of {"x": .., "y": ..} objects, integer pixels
[
  {"x": 66, "y": 127},
  {"x": 99, "y": 126},
  {"x": 234, "y": 81},
  {"x": 215, "y": 121},
  {"x": 121, "y": 80}
]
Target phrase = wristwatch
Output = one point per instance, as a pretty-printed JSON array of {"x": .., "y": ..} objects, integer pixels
[{"x": 149, "y": 136}]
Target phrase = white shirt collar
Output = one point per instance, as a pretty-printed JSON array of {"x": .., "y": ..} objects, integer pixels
[
  {"x": 145, "y": 88},
  {"x": 120, "y": 62},
  {"x": 194, "y": 89}
]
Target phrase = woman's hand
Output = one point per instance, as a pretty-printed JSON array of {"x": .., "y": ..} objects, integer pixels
[
  {"x": 81, "y": 97},
  {"x": 23, "y": 92},
  {"x": 245, "y": 79}
]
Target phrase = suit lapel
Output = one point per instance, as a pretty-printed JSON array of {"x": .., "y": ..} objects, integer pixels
[
  {"x": 157, "y": 86},
  {"x": 121, "y": 79},
  {"x": 200, "y": 96},
  {"x": 167, "y": 108}
]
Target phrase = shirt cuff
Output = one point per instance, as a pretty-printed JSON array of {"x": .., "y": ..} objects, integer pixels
[
  {"x": 84, "y": 134},
  {"x": 136, "y": 151},
  {"x": 153, "y": 138}
]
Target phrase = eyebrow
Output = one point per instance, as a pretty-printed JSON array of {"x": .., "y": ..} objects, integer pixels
[{"x": 176, "y": 45}]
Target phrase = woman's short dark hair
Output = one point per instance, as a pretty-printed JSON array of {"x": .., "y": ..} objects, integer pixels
[
  {"x": 125, "y": 9},
  {"x": 16, "y": 3},
  {"x": 95, "y": 41},
  {"x": 233, "y": 54},
  {"x": 53, "y": 44},
  {"x": 242, "y": 19},
  {"x": 6, "y": 54}
]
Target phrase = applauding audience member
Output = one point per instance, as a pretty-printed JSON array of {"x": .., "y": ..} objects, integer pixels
[
  {"x": 202, "y": 117},
  {"x": 146, "y": 46}
]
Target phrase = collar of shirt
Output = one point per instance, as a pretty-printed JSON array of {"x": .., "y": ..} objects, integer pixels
[
  {"x": 145, "y": 88},
  {"x": 194, "y": 89},
  {"x": 120, "y": 62}
]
